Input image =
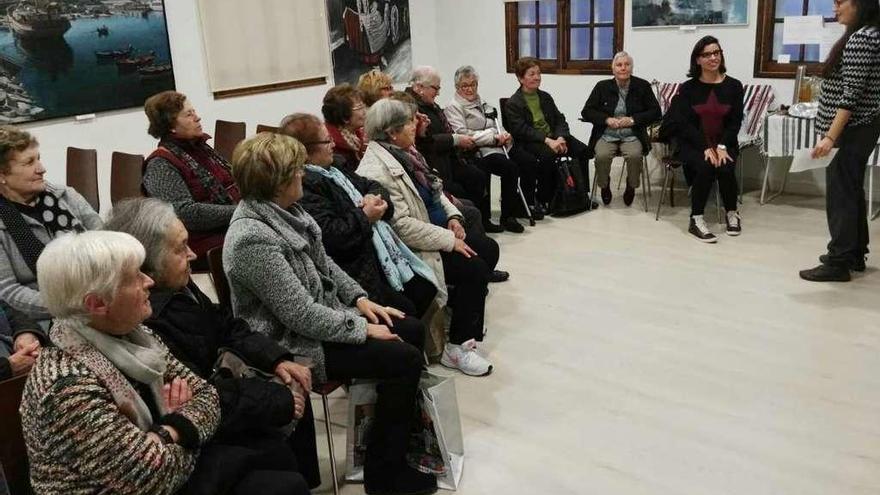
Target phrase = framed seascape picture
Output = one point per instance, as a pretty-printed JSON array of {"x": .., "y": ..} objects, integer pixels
[
  {"x": 369, "y": 33},
  {"x": 61, "y": 58},
  {"x": 665, "y": 13}
]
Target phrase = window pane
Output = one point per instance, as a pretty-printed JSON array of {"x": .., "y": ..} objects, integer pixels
[
  {"x": 526, "y": 42},
  {"x": 793, "y": 50},
  {"x": 580, "y": 12},
  {"x": 547, "y": 11},
  {"x": 792, "y": 7},
  {"x": 811, "y": 53},
  {"x": 547, "y": 44},
  {"x": 820, "y": 7},
  {"x": 526, "y": 12},
  {"x": 603, "y": 43},
  {"x": 580, "y": 44},
  {"x": 604, "y": 11}
]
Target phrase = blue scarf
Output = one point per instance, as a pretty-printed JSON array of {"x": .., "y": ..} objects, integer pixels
[{"x": 398, "y": 262}]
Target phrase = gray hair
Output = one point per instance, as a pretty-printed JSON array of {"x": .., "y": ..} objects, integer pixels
[
  {"x": 465, "y": 71},
  {"x": 387, "y": 116},
  {"x": 622, "y": 54},
  {"x": 149, "y": 220},
  {"x": 424, "y": 75},
  {"x": 75, "y": 265}
]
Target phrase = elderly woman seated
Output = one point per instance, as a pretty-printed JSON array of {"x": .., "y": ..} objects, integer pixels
[
  {"x": 32, "y": 213},
  {"x": 352, "y": 212},
  {"x": 431, "y": 225},
  {"x": 374, "y": 85},
  {"x": 196, "y": 332},
  {"x": 540, "y": 134},
  {"x": 467, "y": 116},
  {"x": 441, "y": 147},
  {"x": 284, "y": 285},
  {"x": 344, "y": 111},
  {"x": 20, "y": 342},
  {"x": 110, "y": 409},
  {"x": 186, "y": 172},
  {"x": 620, "y": 110}
]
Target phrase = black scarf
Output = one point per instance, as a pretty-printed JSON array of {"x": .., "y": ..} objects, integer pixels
[{"x": 48, "y": 211}]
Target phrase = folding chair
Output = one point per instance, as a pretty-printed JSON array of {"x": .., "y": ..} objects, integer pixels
[
  {"x": 227, "y": 135},
  {"x": 126, "y": 174},
  {"x": 82, "y": 174}
]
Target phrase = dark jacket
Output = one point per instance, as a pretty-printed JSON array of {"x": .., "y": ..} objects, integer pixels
[
  {"x": 438, "y": 143},
  {"x": 194, "y": 330},
  {"x": 347, "y": 234},
  {"x": 641, "y": 105},
  {"x": 518, "y": 118},
  {"x": 13, "y": 323}
]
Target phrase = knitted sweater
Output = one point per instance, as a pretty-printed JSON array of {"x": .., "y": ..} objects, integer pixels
[
  {"x": 79, "y": 442},
  {"x": 854, "y": 84}
]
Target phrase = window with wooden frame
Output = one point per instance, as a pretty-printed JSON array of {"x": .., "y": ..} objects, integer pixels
[
  {"x": 566, "y": 36},
  {"x": 768, "y": 42}
]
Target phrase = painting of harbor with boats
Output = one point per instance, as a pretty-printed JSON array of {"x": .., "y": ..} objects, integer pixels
[{"x": 62, "y": 58}]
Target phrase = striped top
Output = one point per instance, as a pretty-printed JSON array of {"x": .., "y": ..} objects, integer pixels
[{"x": 854, "y": 84}]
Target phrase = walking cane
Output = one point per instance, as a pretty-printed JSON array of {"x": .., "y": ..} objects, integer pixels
[{"x": 491, "y": 112}]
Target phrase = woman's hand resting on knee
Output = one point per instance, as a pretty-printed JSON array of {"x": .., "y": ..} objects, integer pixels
[{"x": 380, "y": 332}]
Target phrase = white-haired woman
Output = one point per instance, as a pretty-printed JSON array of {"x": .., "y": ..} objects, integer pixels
[
  {"x": 440, "y": 147},
  {"x": 109, "y": 409},
  {"x": 467, "y": 117},
  {"x": 197, "y": 331},
  {"x": 620, "y": 109},
  {"x": 284, "y": 285},
  {"x": 431, "y": 226}
]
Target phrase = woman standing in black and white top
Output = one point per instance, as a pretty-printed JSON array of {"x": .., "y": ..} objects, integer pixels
[{"x": 849, "y": 119}]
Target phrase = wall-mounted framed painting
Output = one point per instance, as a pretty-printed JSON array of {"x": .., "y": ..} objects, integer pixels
[
  {"x": 673, "y": 13},
  {"x": 369, "y": 33},
  {"x": 61, "y": 58}
]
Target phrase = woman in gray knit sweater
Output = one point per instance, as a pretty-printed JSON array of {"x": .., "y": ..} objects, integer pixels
[{"x": 284, "y": 285}]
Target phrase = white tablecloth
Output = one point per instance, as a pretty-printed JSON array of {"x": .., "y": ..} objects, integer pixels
[{"x": 784, "y": 134}]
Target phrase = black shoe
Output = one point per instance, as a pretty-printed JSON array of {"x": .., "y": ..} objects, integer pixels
[
  {"x": 511, "y": 225},
  {"x": 858, "y": 266},
  {"x": 734, "y": 223},
  {"x": 628, "y": 195},
  {"x": 826, "y": 273},
  {"x": 492, "y": 228},
  {"x": 606, "y": 195},
  {"x": 498, "y": 276},
  {"x": 700, "y": 230},
  {"x": 407, "y": 482},
  {"x": 538, "y": 212}
]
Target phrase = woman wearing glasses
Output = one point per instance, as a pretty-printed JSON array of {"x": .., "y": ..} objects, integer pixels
[
  {"x": 344, "y": 112},
  {"x": 705, "y": 119},
  {"x": 849, "y": 119}
]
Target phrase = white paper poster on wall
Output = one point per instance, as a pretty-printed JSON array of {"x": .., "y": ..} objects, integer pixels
[
  {"x": 802, "y": 30},
  {"x": 831, "y": 32}
]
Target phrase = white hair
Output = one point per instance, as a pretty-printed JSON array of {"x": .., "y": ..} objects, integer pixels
[
  {"x": 424, "y": 75},
  {"x": 622, "y": 54},
  {"x": 150, "y": 221},
  {"x": 75, "y": 265},
  {"x": 463, "y": 72},
  {"x": 387, "y": 115}
]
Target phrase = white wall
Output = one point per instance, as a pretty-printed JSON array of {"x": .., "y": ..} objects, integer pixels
[{"x": 126, "y": 130}]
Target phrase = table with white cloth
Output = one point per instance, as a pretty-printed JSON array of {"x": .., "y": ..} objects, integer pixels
[{"x": 786, "y": 136}]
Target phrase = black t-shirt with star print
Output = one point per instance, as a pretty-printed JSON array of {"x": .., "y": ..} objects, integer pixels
[{"x": 709, "y": 114}]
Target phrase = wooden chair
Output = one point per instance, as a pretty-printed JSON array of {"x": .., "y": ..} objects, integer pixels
[
  {"x": 221, "y": 286},
  {"x": 227, "y": 135},
  {"x": 82, "y": 174},
  {"x": 266, "y": 128},
  {"x": 13, "y": 453},
  {"x": 126, "y": 174}
]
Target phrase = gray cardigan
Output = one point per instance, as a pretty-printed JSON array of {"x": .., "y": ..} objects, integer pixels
[
  {"x": 284, "y": 284},
  {"x": 18, "y": 284}
]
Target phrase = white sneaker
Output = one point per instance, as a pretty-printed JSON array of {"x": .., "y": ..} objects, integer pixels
[
  {"x": 700, "y": 230},
  {"x": 734, "y": 223},
  {"x": 464, "y": 358}
]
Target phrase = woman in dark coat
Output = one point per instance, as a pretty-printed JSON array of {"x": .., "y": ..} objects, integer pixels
[
  {"x": 253, "y": 410},
  {"x": 349, "y": 229}
]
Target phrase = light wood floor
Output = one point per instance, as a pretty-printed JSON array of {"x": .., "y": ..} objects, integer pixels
[{"x": 630, "y": 359}]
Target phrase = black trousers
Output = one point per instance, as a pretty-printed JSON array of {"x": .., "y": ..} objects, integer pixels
[
  {"x": 398, "y": 366},
  {"x": 414, "y": 300},
  {"x": 508, "y": 172},
  {"x": 545, "y": 175},
  {"x": 469, "y": 278},
  {"x": 845, "y": 196},
  {"x": 704, "y": 174},
  {"x": 471, "y": 183}
]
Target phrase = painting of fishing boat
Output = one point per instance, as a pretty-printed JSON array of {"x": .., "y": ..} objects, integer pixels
[{"x": 61, "y": 58}]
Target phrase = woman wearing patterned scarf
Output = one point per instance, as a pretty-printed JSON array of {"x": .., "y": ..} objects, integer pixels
[
  {"x": 32, "y": 213},
  {"x": 345, "y": 112},
  {"x": 186, "y": 172}
]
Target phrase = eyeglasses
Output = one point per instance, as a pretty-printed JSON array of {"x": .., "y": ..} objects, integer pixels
[
  {"x": 435, "y": 88},
  {"x": 312, "y": 143},
  {"x": 714, "y": 53},
  {"x": 838, "y": 3},
  {"x": 360, "y": 106},
  {"x": 468, "y": 86}
]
